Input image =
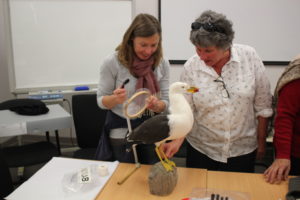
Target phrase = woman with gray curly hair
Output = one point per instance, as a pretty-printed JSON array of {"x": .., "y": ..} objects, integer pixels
[{"x": 233, "y": 105}]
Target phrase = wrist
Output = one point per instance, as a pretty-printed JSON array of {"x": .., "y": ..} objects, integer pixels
[
  {"x": 110, "y": 101},
  {"x": 180, "y": 140},
  {"x": 261, "y": 142},
  {"x": 262, "y": 136}
]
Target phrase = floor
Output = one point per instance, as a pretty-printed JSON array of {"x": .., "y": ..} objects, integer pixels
[{"x": 68, "y": 146}]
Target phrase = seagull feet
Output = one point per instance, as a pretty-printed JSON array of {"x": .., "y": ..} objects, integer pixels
[
  {"x": 167, "y": 166},
  {"x": 169, "y": 162}
]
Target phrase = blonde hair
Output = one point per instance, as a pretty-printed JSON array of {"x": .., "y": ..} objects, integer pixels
[{"x": 143, "y": 25}]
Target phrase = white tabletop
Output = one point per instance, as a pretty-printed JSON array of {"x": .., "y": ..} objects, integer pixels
[
  {"x": 12, "y": 124},
  {"x": 58, "y": 180}
]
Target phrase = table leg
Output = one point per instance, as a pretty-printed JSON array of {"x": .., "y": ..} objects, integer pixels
[
  {"x": 57, "y": 142},
  {"x": 47, "y": 136}
]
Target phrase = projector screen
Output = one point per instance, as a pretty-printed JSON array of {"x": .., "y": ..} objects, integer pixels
[
  {"x": 58, "y": 43},
  {"x": 271, "y": 27}
]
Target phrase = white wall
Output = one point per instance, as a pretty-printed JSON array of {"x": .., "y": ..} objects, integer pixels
[
  {"x": 4, "y": 78},
  {"x": 273, "y": 73},
  {"x": 146, "y": 6},
  {"x": 273, "y": 25},
  {"x": 65, "y": 39}
]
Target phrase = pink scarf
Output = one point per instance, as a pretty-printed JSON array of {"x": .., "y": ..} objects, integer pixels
[{"x": 142, "y": 69}]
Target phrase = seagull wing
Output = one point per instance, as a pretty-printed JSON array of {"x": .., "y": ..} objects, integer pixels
[{"x": 152, "y": 130}]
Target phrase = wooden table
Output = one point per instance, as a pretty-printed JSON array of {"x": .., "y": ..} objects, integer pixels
[
  {"x": 253, "y": 184},
  {"x": 136, "y": 186}
]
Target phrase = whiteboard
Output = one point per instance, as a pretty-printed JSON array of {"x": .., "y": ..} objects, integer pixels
[
  {"x": 272, "y": 27},
  {"x": 59, "y": 43}
]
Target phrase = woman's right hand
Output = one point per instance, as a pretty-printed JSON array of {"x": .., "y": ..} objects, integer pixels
[{"x": 120, "y": 95}]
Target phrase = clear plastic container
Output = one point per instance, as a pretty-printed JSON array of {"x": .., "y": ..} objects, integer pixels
[{"x": 81, "y": 181}]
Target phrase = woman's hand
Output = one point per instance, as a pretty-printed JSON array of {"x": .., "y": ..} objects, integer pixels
[
  {"x": 154, "y": 104},
  {"x": 118, "y": 96},
  {"x": 172, "y": 147},
  {"x": 278, "y": 171}
]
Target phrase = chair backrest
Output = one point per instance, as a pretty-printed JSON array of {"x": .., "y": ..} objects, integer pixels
[{"x": 88, "y": 119}]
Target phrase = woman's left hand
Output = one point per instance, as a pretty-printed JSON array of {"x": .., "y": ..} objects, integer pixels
[
  {"x": 154, "y": 104},
  {"x": 278, "y": 171}
]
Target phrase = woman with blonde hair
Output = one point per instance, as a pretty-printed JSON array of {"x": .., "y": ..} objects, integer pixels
[{"x": 139, "y": 59}]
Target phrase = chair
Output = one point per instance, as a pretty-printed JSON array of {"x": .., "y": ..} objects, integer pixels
[{"x": 88, "y": 122}]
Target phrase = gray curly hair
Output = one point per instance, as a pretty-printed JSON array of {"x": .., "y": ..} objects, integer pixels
[{"x": 212, "y": 29}]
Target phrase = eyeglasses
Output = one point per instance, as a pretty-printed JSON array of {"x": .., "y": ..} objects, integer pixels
[
  {"x": 225, "y": 92},
  {"x": 208, "y": 27}
]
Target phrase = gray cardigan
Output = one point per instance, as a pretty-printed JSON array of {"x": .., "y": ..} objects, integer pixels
[{"x": 113, "y": 74}]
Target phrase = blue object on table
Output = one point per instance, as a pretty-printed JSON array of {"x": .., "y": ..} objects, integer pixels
[{"x": 79, "y": 88}]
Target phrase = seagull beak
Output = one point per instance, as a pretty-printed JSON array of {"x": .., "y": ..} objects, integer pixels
[{"x": 193, "y": 90}]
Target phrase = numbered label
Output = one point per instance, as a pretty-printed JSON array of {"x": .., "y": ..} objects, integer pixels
[{"x": 84, "y": 175}]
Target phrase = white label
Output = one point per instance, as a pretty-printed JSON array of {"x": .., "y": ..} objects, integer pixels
[{"x": 84, "y": 175}]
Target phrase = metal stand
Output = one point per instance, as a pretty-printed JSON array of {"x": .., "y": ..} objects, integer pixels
[{"x": 136, "y": 160}]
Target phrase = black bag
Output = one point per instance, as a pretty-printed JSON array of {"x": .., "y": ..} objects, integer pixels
[
  {"x": 104, "y": 151},
  {"x": 25, "y": 106}
]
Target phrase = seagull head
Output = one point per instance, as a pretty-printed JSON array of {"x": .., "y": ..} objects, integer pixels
[{"x": 181, "y": 87}]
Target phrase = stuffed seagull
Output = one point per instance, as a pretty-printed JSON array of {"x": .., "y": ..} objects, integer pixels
[{"x": 163, "y": 127}]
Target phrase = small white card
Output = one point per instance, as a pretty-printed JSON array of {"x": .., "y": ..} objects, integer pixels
[{"x": 84, "y": 175}]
